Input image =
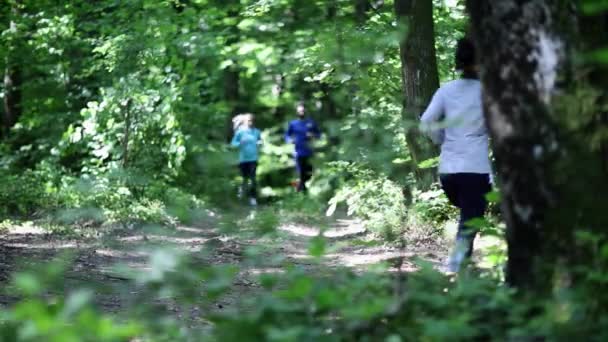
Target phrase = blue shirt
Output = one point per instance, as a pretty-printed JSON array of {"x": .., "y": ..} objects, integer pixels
[
  {"x": 247, "y": 141},
  {"x": 300, "y": 132}
]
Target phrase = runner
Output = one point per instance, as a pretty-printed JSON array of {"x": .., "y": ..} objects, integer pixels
[
  {"x": 247, "y": 138},
  {"x": 301, "y": 132},
  {"x": 454, "y": 119}
]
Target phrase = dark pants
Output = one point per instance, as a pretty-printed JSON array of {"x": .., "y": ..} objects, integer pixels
[
  {"x": 304, "y": 168},
  {"x": 467, "y": 192},
  {"x": 248, "y": 171}
]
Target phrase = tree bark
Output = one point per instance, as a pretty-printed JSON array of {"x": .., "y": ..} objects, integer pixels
[
  {"x": 420, "y": 77},
  {"x": 12, "y": 95},
  {"x": 12, "y": 78},
  {"x": 232, "y": 74},
  {"x": 361, "y": 8},
  {"x": 520, "y": 53},
  {"x": 127, "y": 134}
]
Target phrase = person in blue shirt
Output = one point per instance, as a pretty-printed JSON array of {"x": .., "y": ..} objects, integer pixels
[
  {"x": 301, "y": 132},
  {"x": 247, "y": 138}
]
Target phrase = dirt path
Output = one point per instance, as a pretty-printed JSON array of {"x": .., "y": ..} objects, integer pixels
[{"x": 94, "y": 259}]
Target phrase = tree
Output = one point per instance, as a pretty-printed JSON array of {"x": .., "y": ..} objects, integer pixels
[
  {"x": 419, "y": 76},
  {"x": 232, "y": 72},
  {"x": 12, "y": 74},
  {"x": 540, "y": 160}
]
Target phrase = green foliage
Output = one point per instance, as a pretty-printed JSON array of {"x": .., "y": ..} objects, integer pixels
[
  {"x": 26, "y": 194},
  {"x": 433, "y": 206},
  {"x": 145, "y": 88},
  {"x": 69, "y": 317},
  {"x": 373, "y": 197},
  {"x": 265, "y": 222},
  {"x": 110, "y": 199},
  {"x": 301, "y": 208},
  {"x": 594, "y": 6},
  {"x": 450, "y": 25},
  {"x": 298, "y": 305},
  {"x": 133, "y": 126}
]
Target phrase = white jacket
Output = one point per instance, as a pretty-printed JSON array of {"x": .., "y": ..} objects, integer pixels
[{"x": 454, "y": 119}]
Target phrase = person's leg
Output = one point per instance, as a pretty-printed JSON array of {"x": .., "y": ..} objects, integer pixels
[
  {"x": 243, "y": 188},
  {"x": 252, "y": 177},
  {"x": 302, "y": 165},
  {"x": 449, "y": 184},
  {"x": 307, "y": 171},
  {"x": 299, "y": 172},
  {"x": 473, "y": 205}
]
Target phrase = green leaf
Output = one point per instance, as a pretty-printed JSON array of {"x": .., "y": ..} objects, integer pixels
[
  {"x": 331, "y": 209},
  {"x": 429, "y": 163},
  {"x": 598, "y": 56},
  {"x": 76, "y": 302},
  {"x": 317, "y": 245},
  {"x": 493, "y": 196},
  {"x": 591, "y": 7},
  {"x": 27, "y": 283}
]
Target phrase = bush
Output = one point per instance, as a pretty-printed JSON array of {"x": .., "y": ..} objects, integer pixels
[
  {"x": 298, "y": 305},
  {"x": 433, "y": 206},
  {"x": 117, "y": 201},
  {"x": 301, "y": 208},
  {"x": 373, "y": 198},
  {"x": 26, "y": 194}
]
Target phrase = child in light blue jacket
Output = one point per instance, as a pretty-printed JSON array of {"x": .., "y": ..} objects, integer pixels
[{"x": 247, "y": 138}]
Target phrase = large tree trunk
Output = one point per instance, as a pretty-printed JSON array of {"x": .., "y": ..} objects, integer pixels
[
  {"x": 12, "y": 79},
  {"x": 232, "y": 73},
  {"x": 420, "y": 76},
  {"x": 12, "y": 95},
  {"x": 361, "y": 8},
  {"x": 520, "y": 55}
]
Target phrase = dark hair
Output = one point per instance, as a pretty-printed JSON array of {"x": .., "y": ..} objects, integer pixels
[{"x": 465, "y": 54}]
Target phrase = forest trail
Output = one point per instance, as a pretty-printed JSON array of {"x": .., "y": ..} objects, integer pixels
[{"x": 95, "y": 260}]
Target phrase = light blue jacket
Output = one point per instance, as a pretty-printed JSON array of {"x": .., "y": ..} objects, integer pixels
[{"x": 247, "y": 141}]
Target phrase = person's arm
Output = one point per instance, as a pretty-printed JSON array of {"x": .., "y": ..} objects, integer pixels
[
  {"x": 431, "y": 116},
  {"x": 288, "y": 134},
  {"x": 259, "y": 137},
  {"x": 236, "y": 140}
]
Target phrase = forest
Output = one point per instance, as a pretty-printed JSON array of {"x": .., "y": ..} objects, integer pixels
[{"x": 291, "y": 170}]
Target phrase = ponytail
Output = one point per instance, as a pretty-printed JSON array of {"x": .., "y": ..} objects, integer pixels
[
  {"x": 237, "y": 122},
  {"x": 240, "y": 120}
]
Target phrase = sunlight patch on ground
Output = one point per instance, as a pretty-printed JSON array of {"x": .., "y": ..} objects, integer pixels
[
  {"x": 26, "y": 228},
  {"x": 300, "y": 256},
  {"x": 121, "y": 254},
  {"x": 353, "y": 260},
  {"x": 344, "y": 228},
  {"x": 48, "y": 245},
  {"x": 258, "y": 271},
  {"x": 178, "y": 240},
  {"x": 193, "y": 230},
  {"x": 164, "y": 238},
  {"x": 133, "y": 238}
]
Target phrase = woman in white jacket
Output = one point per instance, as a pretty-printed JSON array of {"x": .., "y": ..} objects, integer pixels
[{"x": 454, "y": 119}]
